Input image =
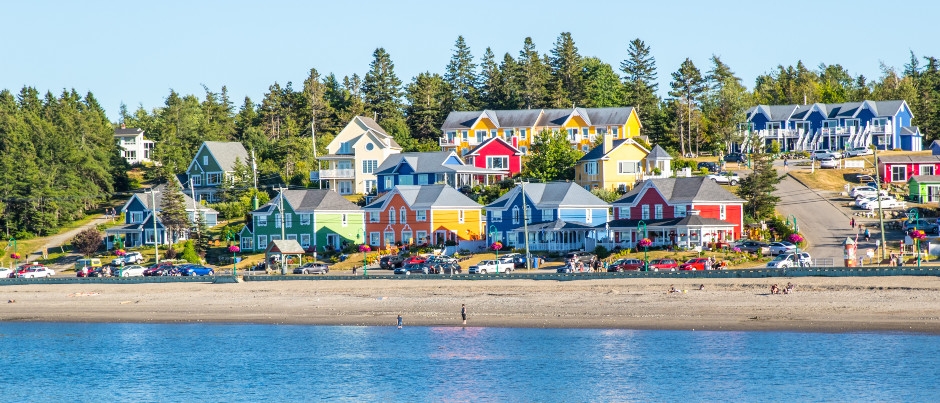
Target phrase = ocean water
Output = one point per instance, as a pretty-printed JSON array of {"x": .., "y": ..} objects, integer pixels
[{"x": 59, "y": 362}]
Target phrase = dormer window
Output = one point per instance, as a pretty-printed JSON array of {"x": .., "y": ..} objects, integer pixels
[{"x": 345, "y": 148}]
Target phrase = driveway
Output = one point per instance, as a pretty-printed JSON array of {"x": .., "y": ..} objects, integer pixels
[{"x": 62, "y": 238}]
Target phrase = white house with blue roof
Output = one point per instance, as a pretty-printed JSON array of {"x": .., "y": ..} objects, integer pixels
[
  {"x": 430, "y": 168},
  {"x": 884, "y": 124},
  {"x": 557, "y": 215}
]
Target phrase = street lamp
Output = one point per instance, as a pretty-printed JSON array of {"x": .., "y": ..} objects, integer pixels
[
  {"x": 234, "y": 249},
  {"x": 493, "y": 233},
  {"x": 364, "y": 248},
  {"x": 912, "y": 215},
  {"x": 641, "y": 226},
  {"x": 15, "y": 256}
]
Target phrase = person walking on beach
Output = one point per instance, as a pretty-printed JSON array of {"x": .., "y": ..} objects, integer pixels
[
  {"x": 463, "y": 313},
  {"x": 399, "y": 321},
  {"x": 852, "y": 222}
]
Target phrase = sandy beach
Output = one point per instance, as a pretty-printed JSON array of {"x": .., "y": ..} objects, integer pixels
[{"x": 818, "y": 304}]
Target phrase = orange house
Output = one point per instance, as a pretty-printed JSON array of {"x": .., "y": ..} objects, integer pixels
[{"x": 427, "y": 214}]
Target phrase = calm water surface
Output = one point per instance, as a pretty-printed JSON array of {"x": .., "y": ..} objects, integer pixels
[{"x": 58, "y": 362}]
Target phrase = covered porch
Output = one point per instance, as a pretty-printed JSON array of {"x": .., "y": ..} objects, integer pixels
[
  {"x": 689, "y": 232},
  {"x": 552, "y": 236}
]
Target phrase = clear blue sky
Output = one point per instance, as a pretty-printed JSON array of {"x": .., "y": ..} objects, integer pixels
[{"x": 135, "y": 52}]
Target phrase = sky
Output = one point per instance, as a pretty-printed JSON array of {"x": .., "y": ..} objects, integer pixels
[{"x": 135, "y": 52}]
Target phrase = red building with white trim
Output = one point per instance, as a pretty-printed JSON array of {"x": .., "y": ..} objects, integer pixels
[{"x": 496, "y": 153}]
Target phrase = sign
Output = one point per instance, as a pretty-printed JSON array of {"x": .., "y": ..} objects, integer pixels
[
  {"x": 870, "y": 253},
  {"x": 855, "y": 164}
]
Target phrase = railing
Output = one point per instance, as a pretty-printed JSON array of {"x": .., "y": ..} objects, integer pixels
[
  {"x": 444, "y": 141},
  {"x": 337, "y": 173}
]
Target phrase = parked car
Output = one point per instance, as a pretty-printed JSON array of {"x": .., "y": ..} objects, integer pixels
[
  {"x": 865, "y": 178},
  {"x": 196, "y": 270},
  {"x": 418, "y": 259},
  {"x": 160, "y": 269},
  {"x": 709, "y": 166},
  {"x": 751, "y": 246},
  {"x": 830, "y": 163},
  {"x": 129, "y": 258},
  {"x": 663, "y": 265},
  {"x": 694, "y": 264},
  {"x": 725, "y": 178},
  {"x": 887, "y": 202},
  {"x": 782, "y": 261},
  {"x": 860, "y": 201},
  {"x": 736, "y": 157},
  {"x": 35, "y": 271},
  {"x": 491, "y": 266},
  {"x": 584, "y": 257},
  {"x": 858, "y": 151},
  {"x": 412, "y": 269},
  {"x": 825, "y": 154},
  {"x": 390, "y": 262},
  {"x": 866, "y": 192},
  {"x": 313, "y": 268},
  {"x": 131, "y": 271},
  {"x": 443, "y": 268},
  {"x": 921, "y": 224},
  {"x": 781, "y": 247},
  {"x": 5, "y": 272},
  {"x": 622, "y": 265}
]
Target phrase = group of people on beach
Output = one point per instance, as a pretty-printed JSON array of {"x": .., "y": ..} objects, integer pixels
[
  {"x": 577, "y": 265},
  {"x": 774, "y": 289}
]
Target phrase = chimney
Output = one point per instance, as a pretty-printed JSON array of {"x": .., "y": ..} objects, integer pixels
[
  {"x": 608, "y": 142},
  {"x": 122, "y": 125}
]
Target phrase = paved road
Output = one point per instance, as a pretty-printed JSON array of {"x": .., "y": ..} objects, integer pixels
[{"x": 62, "y": 238}]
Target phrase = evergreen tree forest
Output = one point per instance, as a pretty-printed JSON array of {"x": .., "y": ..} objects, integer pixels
[{"x": 59, "y": 158}]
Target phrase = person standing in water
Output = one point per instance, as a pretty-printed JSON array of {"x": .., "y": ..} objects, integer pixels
[
  {"x": 399, "y": 321},
  {"x": 463, "y": 313}
]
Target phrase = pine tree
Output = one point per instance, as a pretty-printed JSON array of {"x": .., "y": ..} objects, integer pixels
[
  {"x": 172, "y": 209},
  {"x": 426, "y": 95},
  {"x": 757, "y": 188},
  {"x": 565, "y": 65},
  {"x": 687, "y": 85},
  {"x": 490, "y": 81},
  {"x": 601, "y": 84},
  {"x": 533, "y": 76},
  {"x": 200, "y": 235},
  {"x": 640, "y": 85},
  {"x": 462, "y": 79},
  {"x": 724, "y": 103},
  {"x": 381, "y": 88},
  {"x": 508, "y": 94}
]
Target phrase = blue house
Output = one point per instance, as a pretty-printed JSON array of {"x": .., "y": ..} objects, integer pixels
[
  {"x": 138, "y": 227},
  {"x": 557, "y": 215},
  {"x": 885, "y": 124},
  {"x": 430, "y": 168}
]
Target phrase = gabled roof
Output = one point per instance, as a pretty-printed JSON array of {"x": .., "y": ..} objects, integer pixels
[
  {"x": 551, "y": 195},
  {"x": 144, "y": 199},
  {"x": 845, "y": 110},
  {"x": 426, "y": 197},
  {"x": 658, "y": 153},
  {"x": 464, "y": 120},
  {"x": 311, "y": 200},
  {"x": 486, "y": 142},
  {"x": 558, "y": 225},
  {"x": 428, "y": 162},
  {"x": 935, "y": 143},
  {"x": 225, "y": 153},
  {"x": 285, "y": 246},
  {"x": 377, "y": 131},
  {"x": 609, "y": 116},
  {"x": 925, "y": 178},
  {"x": 598, "y": 153},
  {"x": 910, "y": 131},
  {"x": 909, "y": 159},
  {"x": 697, "y": 189},
  {"x": 122, "y": 132}
]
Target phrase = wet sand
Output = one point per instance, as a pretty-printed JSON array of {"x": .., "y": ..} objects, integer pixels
[{"x": 818, "y": 304}]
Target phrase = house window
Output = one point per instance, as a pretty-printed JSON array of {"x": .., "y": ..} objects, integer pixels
[
  {"x": 624, "y": 213},
  {"x": 615, "y": 131},
  {"x": 292, "y": 237},
  {"x": 466, "y": 136},
  {"x": 547, "y": 214},
  {"x": 440, "y": 178},
  {"x": 493, "y": 134},
  {"x": 344, "y": 148},
  {"x": 573, "y": 135},
  {"x": 305, "y": 240},
  {"x": 404, "y": 216},
  {"x": 600, "y": 131},
  {"x": 480, "y": 135},
  {"x": 658, "y": 213},
  {"x": 421, "y": 215},
  {"x": 148, "y": 236},
  {"x": 345, "y": 221},
  {"x": 926, "y": 169},
  {"x": 370, "y": 146},
  {"x": 584, "y": 133},
  {"x": 213, "y": 178},
  {"x": 507, "y": 134},
  {"x": 391, "y": 216},
  {"x": 460, "y": 216},
  {"x": 262, "y": 221},
  {"x": 262, "y": 242},
  {"x": 137, "y": 217},
  {"x": 246, "y": 243},
  {"x": 898, "y": 173},
  {"x": 288, "y": 220},
  {"x": 722, "y": 212},
  {"x": 528, "y": 214},
  {"x": 305, "y": 219},
  {"x": 374, "y": 238},
  {"x": 645, "y": 214},
  {"x": 524, "y": 150},
  {"x": 369, "y": 186},
  {"x": 587, "y": 215},
  {"x": 496, "y": 216},
  {"x": 515, "y": 215},
  {"x": 197, "y": 180},
  {"x": 389, "y": 238},
  {"x": 680, "y": 211},
  {"x": 422, "y": 179},
  {"x": 522, "y": 133},
  {"x": 628, "y": 167},
  {"x": 277, "y": 220},
  {"x": 422, "y": 237},
  {"x": 345, "y": 187},
  {"x": 368, "y": 166},
  {"x": 406, "y": 180},
  {"x": 497, "y": 162},
  {"x": 590, "y": 168},
  {"x": 205, "y": 160},
  {"x": 450, "y": 136},
  {"x": 275, "y": 238},
  {"x": 373, "y": 216},
  {"x": 389, "y": 182},
  {"x": 406, "y": 237}
]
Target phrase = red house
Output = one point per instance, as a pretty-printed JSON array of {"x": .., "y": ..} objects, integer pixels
[
  {"x": 900, "y": 168},
  {"x": 496, "y": 153},
  {"x": 687, "y": 212}
]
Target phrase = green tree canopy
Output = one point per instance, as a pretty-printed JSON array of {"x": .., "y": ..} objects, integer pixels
[{"x": 552, "y": 158}]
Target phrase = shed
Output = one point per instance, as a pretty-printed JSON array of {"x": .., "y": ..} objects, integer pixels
[
  {"x": 924, "y": 188},
  {"x": 280, "y": 250},
  {"x": 935, "y": 147}
]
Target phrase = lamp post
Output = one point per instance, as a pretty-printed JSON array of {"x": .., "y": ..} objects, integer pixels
[
  {"x": 493, "y": 233},
  {"x": 14, "y": 256},
  {"x": 365, "y": 253},
  {"x": 234, "y": 249},
  {"x": 641, "y": 226},
  {"x": 912, "y": 215}
]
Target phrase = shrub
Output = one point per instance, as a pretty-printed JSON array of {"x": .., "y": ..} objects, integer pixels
[
  {"x": 189, "y": 252},
  {"x": 601, "y": 252}
]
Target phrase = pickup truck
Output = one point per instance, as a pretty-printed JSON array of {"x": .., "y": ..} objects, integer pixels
[{"x": 491, "y": 266}]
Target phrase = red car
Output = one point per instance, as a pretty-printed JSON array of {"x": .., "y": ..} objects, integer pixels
[
  {"x": 664, "y": 265},
  {"x": 416, "y": 260},
  {"x": 694, "y": 264},
  {"x": 625, "y": 264}
]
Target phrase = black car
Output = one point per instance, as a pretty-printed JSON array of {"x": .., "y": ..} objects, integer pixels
[
  {"x": 413, "y": 269},
  {"x": 312, "y": 268},
  {"x": 391, "y": 261},
  {"x": 751, "y": 246},
  {"x": 710, "y": 166},
  {"x": 736, "y": 157}
]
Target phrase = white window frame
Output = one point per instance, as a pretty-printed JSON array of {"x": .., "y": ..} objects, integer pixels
[
  {"x": 369, "y": 166},
  {"x": 421, "y": 236},
  {"x": 403, "y": 216},
  {"x": 585, "y": 133},
  {"x": 406, "y": 180},
  {"x": 213, "y": 178},
  {"x": 528, "y": 214},
  {"x": 515, "y": 214},
  {"x": 522, "y": 133},
  {"x": 623, "y": 213},
  {"x": 926, "y": 169},
  {"x": 375, "y": 238},
  {"x": 246, "y": 243},
  {"x": 658, "y": 212},
  {"x": 389, "y": 237},
  {"x": 374, "y": 216},
  {"x": 292, "y": 237},
  {"x": 407, "y": 237},
  {"x": 305, "y": 219},
  {"x": 137, "y": 217},
  {"x": 898, "y": 173},
  {"x": 305, "y": 240},
  {"x": 679, "y": 211},
  {"x": 722, "y": 212},
  {"x": 197, "y": 179},
  {"x": 277, "y": 220},
  {"x": 392, "y": 213},
  {"x": 345, "y": 187},
  {"x": 633, "y": 167},
  {"x": 588, "y": 217},
  {"x": 345, "y": 219},
  {"x": 205, "y": 160},
  {"x": 479, "y": 135},
  {"x": 496, "y": 216},
  {"x": 504, "y": 162},
  {"x": 262, "y": 242},
  {"x": 590, "y": 167},
  {"x": 389, "y": 182},
  {"x": 421, "y": 215},
  {"x": 262, "y": 220},
  {"x": 645, "y": 214},
  {"x": 288, "y": 220},
  {"x": 547, "y": 214}
]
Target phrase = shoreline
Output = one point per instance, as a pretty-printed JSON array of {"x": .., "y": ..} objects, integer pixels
[{"x": 906, "y": 304}]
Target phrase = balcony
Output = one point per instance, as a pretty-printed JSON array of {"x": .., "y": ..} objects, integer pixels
[
  {"x": 444, "y": 141},
  {"x": 337, "y": 173}
]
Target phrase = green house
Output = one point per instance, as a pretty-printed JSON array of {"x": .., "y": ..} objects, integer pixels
[
  {"x": 318, "y": 219},
  {"x": 213, "y": 163},
  {"x": 924, "y": 188}
]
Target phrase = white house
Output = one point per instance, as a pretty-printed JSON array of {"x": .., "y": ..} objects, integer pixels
[
  {"x": 354, "y": 156},
  {"x": 134, "y": 148}
]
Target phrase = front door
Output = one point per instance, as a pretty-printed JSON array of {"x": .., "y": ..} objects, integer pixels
[
  {"x": 333, "y": 240},
  {"x": 933, "y": 194}
]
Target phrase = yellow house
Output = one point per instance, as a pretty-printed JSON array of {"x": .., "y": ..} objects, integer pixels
[
  {"x": 464, "y": 130},
  {"x": 618, "y": 164}
]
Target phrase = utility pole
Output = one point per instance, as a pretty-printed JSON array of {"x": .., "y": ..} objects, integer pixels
[
  {"x": 881, "y": 217},
  {"x": 280, "y": 207},
  {"x": 525, "y": 227},
  {"x": 153, "y": 207},
  {"x": 254, "y": 169}
]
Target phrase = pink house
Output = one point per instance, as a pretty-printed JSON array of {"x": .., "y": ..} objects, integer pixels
[
  {"x": 496, "y": 153},
  {"x": 900, "y": 168}
]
